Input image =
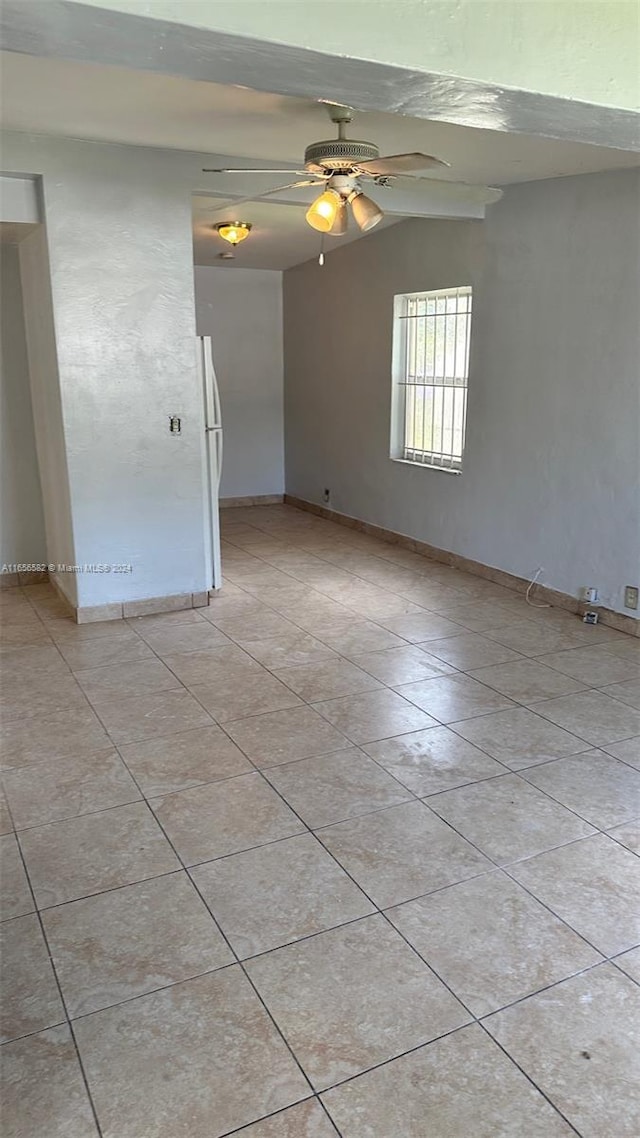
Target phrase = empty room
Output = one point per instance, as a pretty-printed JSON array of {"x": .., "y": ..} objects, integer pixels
[{"x": 320, "y": 546}]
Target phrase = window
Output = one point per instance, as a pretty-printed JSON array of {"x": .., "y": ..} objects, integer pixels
[{"x": 430, "y": 370}]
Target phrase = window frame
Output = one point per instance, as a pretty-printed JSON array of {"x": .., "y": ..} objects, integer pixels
[{"x": 399, "y": 450}]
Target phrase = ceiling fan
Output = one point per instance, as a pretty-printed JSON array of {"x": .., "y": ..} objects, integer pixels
[{"x": 339, "y": 165}]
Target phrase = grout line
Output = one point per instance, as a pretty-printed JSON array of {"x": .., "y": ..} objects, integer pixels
[
  {"x": 63, "y": 1002},
  {"x": 405, "y": 790}
]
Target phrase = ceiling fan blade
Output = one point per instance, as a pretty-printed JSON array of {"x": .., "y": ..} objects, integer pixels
[
  {"x": 276, "y": 190},
  {"x": 248, "y": 170},
  {"x": 459, "y": 191},
  {"x": 396, "y": 164}
]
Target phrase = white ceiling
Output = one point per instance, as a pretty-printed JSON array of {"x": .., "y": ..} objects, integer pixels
[
  {"x": 113, "y": 104},
  {"x": 279, "y": 237}
]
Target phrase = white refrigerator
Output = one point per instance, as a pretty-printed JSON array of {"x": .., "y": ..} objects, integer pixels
[{"x": 213, "y": 459}]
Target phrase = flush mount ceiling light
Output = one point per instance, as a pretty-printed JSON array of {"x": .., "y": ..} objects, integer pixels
[{"x": 233, "y": 231}]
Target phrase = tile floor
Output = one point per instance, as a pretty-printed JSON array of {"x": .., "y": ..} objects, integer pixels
[{"x": 354, "y": 851}]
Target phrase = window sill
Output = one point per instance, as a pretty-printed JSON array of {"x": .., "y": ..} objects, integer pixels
[{"x": 426, "y": 465}]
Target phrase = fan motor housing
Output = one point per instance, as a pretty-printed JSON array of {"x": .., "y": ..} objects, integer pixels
[{"x": 339, "y": 154}]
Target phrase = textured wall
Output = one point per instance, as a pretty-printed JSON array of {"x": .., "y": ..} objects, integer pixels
[
  {"x": 241, "y": 309},
  {"x": 552, "y": 464},
  {"x": 119, "y": 235},
  {"x": 46, "y": 399},
  {"x": 22, "y": 537}
]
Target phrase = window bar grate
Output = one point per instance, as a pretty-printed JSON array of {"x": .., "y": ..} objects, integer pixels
[{"x": 437, "y": 343}]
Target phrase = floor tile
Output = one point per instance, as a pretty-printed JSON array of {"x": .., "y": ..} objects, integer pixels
[
  {"x": 193, "y": 1061},
  {"x": 354, "y": 638},
  {"x": 593, "y": 716},
  {"x": 160, "y": 621},
  {"x": 184, "y": 638},
  {"x": 211, "y": 665},
  {"x": 526, "y": 680},
  {"x": 628, "y": 750},
  {"x": 627, "y": 692},
  {"x": 145, "y": 716},
  {"x": 45, "y": 660},
  {"x": 402, "y": 665},
  {"x": 132, "y": 940},
  {"x": 66, "y": 631},
  {"x": 352, "y": 997},
  {"x": 87, "y": 855},
  {"x": 533, "y": 637},
  {"x": 594, "y": 665},
  {"x": 627, "y": 647},
  {"x": 629, "y": 962},
  {"x": 43, "y": 1091},
  {"x": 23, "y": 636},
  {"x": 282, "y": 736},
  {"x": 449, "y": 698},
  {"x": 576, "y": 1041},
  {"x": 125, "y": 679},
  {"x": 74, "y": 732},
  {"x": 327, "y": 679},
  {"x": 6, "y": 825},
  {"x": 276, "y": 894},
  {"x": 29, "y": 997},
  {"x": 598, "y": 787},
  {"x": 18, "y": 614},
  {"x": 374, "y": 715},
  {"x": 104, "y": 653},
  {"x": 508, "y": 819},
  {"x": 177, "y": 762},
  {"x": 307, "y": 1120},
  {"x": 259, "y": 625},
  {"x": 14, "y": 888},
  {"x": 416, "y": 627},
  {"x": 63, "y": 788},
  {"x": 481, "y": 615},
  {"x": 592, "y": 885},
  {"x": 38, "y": 696},
  {"x": 251, "y": 694},
  {"x": 470, "y": 650},
  {"x": 330, "y": 788},
  {"x": 491, "y": 942},
  {"x": 288, "y": 651},
  {"x": 519, "y": 738},
  {"x": 628, "y": 835},
  {"x": 402, "y": 853},
  {"x": 433, "y": 760},
  {"x": 225, "y": 817},
  {"x": 456, "y": 1087}
]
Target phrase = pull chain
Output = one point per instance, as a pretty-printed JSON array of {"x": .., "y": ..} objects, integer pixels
[{"x": 321, "y": 257}]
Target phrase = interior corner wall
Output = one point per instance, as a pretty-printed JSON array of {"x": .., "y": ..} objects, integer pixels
[
  {"x": 118, "y": 222},
  {"x": 552, "y": 463},
  {"x": 22, "y": 535},
  {"x": 47, "y": 407},
  {"x": 241, "y": 309}
]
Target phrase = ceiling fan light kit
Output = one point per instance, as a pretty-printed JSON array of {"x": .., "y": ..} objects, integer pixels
[
  {"x": 365, "y": 211},
  {"x": 322, "y": 213}
]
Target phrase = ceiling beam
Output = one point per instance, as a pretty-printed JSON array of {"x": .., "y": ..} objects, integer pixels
[{"x": 102, "y": 34}]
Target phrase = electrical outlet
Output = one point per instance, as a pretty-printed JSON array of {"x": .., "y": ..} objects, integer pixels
[
  {"x": 326, "y": 495},
  {"x": 631, "y": 596},
  {"x": 590, "y": 595}
]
